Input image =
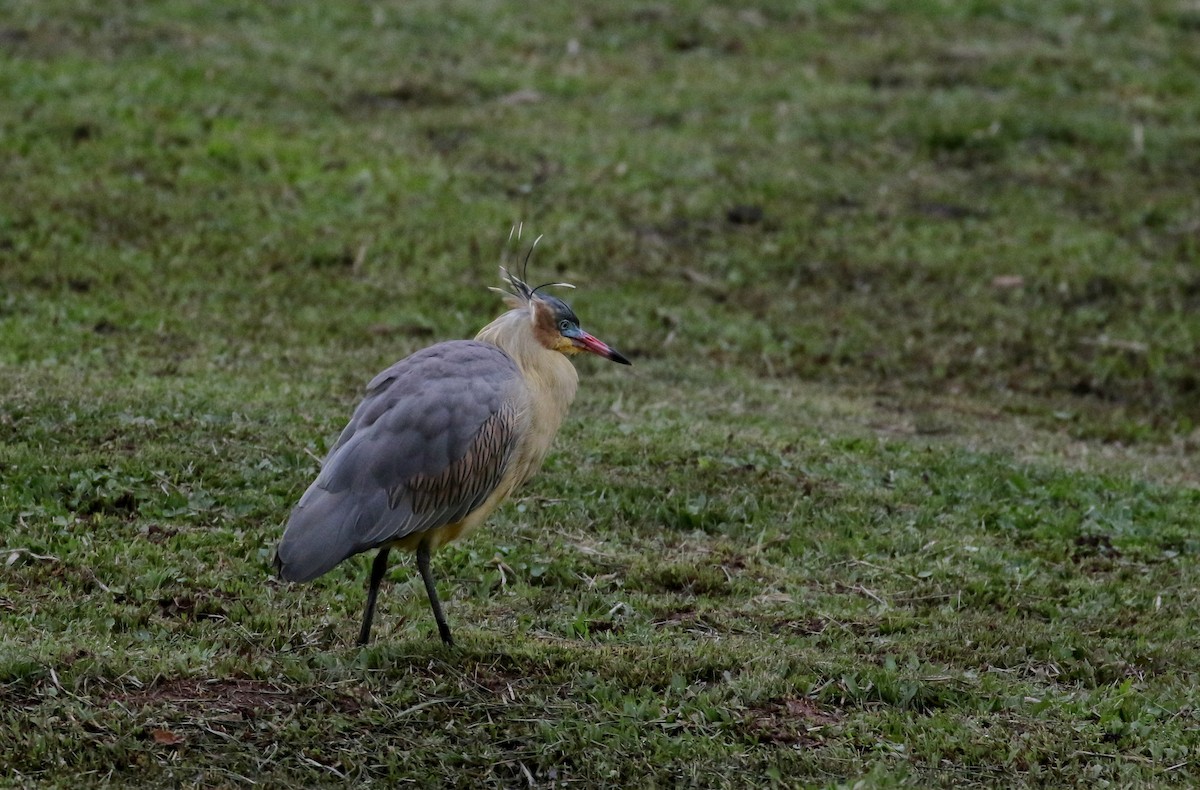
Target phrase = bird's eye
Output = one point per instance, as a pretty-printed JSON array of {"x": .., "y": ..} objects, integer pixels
[{"x": 564, "y": 325}]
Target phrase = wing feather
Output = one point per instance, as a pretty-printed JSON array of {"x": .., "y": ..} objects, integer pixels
[{"x": 428, "y": 444}]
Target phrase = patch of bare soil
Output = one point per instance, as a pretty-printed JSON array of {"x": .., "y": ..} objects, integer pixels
[
  {"x": 232, "y": 699},
  {"x": 789, "y": 721}
]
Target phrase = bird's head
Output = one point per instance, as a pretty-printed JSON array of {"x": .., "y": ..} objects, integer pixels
[{"x": 554, "y": 323}]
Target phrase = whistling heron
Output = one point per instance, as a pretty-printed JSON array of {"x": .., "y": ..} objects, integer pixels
[{"x": 440, "y": 440}]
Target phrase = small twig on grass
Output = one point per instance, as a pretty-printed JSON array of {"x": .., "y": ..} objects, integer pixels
[
  {"x": 876, "y": 567},
  {"x": 238, "y": 776},
  {"x": 360, "y": 257},
  {"x": 1131, "y": 757},
  {"x": 583, "y": 546},
  {"x": 418, "y": 707},
  {"x": 859, "y": 588},
  {"x": 619, "y": 606},
  {"x": 219, "y": 733},
  {"x": 15, "y": 554},
  {"x": 317, "y": 764}
]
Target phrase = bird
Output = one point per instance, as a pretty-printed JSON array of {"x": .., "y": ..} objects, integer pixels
[{"x": 439, "y": 441}]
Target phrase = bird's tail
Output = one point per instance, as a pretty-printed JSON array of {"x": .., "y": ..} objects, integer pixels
[
  {"x": 327, "y": 527},
  {"x": 318, "y": 535}
]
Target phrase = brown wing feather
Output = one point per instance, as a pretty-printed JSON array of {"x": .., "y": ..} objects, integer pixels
[{"x": 478, "y": 470}]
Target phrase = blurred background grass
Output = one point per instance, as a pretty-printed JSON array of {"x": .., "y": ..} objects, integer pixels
[{"x": 989, "y": 198}]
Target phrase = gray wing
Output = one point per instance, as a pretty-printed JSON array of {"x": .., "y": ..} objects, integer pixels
[{"x": 428, "y": 444}]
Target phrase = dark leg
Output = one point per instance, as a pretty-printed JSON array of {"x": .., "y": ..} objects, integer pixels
[
  {"x": 378, "y": 568},
  {"x": 431, "y": 591}
]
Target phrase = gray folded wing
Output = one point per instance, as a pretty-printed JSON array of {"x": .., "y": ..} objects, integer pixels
[{"x": 428, "y": 444}]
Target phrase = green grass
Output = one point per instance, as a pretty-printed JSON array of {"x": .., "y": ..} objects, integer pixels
[{"x": 900, "y": 489}]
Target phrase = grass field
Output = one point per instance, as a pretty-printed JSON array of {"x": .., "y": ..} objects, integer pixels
[{"x": 902, "y": 488}]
